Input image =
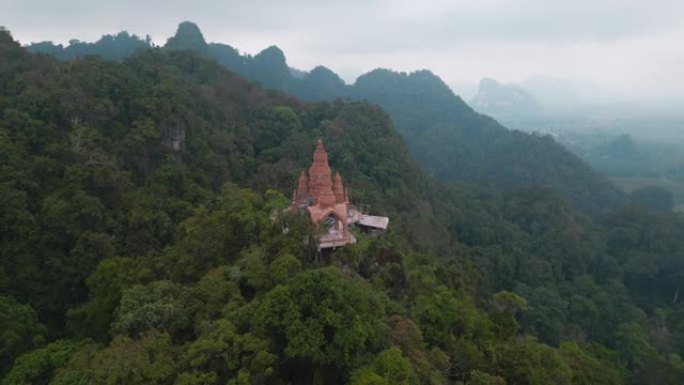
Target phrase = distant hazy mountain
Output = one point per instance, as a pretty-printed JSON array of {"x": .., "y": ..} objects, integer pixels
[
  {"x": 538, "y": 97},
  {"x": 505, "y": 100},
  {"x": 619, "y": 139}
]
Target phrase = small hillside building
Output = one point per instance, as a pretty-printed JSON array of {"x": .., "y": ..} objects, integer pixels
[{"x": 326, "y": 200}]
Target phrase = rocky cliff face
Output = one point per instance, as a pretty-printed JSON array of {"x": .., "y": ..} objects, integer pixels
[{"x": 503, "y": 100}]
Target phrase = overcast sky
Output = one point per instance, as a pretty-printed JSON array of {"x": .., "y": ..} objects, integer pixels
[{"x": 632, "y": 49}]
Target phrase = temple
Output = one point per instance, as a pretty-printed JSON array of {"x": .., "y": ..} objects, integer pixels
[{"x": 326, "y": 200}]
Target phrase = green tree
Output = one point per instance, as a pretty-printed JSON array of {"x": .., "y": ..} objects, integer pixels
[
  {"x": 160, "y": 305},
  {"x": 38, "y": 366},
  {"x": 389, "y": 367},
  {"x": 505, "y": 306},
  {"x": 148, "y": 360},
  {"x": 21, "y": 331},
  {"x": 323, "y": 319},
  {"x": 527, "y": 361},
  {"x": 223, "y": 353},
  {"x": 481, "y": 378},
  {"x": 106, "y": 284},
  {"x": 588, "y": 369}
]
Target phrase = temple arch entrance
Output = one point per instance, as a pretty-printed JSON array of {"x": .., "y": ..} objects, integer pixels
[{"x": 333, "y": 223}]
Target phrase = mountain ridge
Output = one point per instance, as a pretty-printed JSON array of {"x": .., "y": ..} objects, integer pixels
[{"x": 448, "y": 138}]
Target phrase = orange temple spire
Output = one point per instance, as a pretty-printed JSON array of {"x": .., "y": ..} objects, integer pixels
[{"x": 325, "y": 199}]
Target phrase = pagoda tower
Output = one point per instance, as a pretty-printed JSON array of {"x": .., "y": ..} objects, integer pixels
[{"x": 325, "y": 199}]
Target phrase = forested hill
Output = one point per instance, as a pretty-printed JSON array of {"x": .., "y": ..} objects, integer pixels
[
  {"x": 447, "y": 137},
  {"x": 455, "y": 143},
  {"x": 145, "y": 240},
  {"x": 112, "y": 47}
]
